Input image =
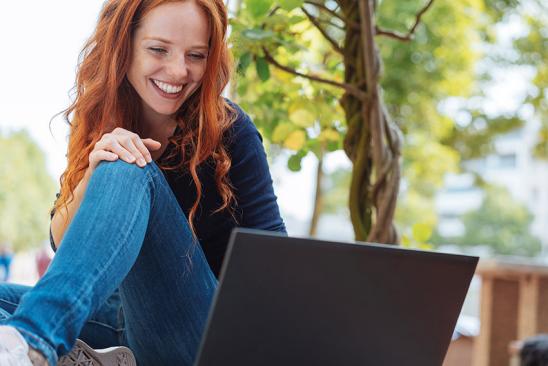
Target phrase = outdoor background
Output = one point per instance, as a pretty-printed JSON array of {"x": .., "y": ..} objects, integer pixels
[{"x": 468, "y": 90}]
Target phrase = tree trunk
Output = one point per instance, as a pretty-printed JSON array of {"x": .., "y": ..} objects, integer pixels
[
  {"x": 372, "y": 141},
  {"x": 318, "y": 198}
]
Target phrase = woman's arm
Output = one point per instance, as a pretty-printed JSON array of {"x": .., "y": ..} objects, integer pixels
[
  {"x": 251, "y": 179},
  {"x": 119, "y": 143},
  {"x": 59, "y": 221}
]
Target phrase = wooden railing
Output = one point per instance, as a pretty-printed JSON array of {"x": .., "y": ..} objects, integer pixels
[{"x": 514, "y": 306}]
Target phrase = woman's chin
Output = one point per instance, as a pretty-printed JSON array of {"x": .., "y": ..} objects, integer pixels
[
  {"x": 170, "y": 111},
  {"x": 167, "y": 113}
]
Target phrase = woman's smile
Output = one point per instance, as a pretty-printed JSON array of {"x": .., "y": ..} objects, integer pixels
[{"x": 166, "y": 90}]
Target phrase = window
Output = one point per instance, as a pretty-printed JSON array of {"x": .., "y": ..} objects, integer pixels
[{"x": 507, "y": 161}]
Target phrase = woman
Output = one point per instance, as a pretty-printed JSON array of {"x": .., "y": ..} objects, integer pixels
[{"x": 160, "y": 169}]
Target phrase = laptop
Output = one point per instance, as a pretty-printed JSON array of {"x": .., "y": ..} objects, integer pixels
[{"x": 284, "y": 301}]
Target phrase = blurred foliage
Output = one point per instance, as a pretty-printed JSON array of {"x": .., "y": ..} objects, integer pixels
[
  {"x": 533, "y": 51},
  {"x": 291, "y": 112},
  {"x": 26, "y": 192},
  {"x": 476, "y": 139},
  {"x": 501, "y": 223},
  {"x": 440, "y": 63}
]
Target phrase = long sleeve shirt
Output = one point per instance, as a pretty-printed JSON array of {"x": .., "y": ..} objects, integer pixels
[{"x": 256, "y": 204}]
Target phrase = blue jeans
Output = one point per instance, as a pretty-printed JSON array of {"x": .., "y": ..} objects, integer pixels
[{"x": 130, "y": 235}]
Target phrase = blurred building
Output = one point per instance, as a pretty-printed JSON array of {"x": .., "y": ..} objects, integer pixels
[{"x": 513, "y": 166}]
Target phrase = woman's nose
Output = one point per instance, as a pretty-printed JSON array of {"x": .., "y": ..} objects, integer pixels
[{"x": 178, "y": 69}]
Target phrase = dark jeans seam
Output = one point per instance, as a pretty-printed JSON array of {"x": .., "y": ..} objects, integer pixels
[
  {"x": 9, "y": 302},
  {"x": 115, "y": 329},
  {"x": 156, "y": 173},
  {"x": 110, "y": 327},
  {"x": 151, "y": 174}
]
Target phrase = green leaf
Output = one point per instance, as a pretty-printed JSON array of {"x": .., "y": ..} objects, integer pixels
[
  {"x": 314, "y": 146},
  {"x": 257, "y": 34},
  {"x": 294, "y": 163},
  {"x": 290, "y": 4},
  {"x": 334, "y": 145},
  {"x": 277, "y": 22},
  {"x": 329, "y": 135},
  {"x": 245, "y": 60},
  {"x": 263, "y": 70},
  {"x": 291, "y": 46},
  {"x": 296, "y": 19},
  {"x": 258, "y": 8},
  {"x": 281, "y": 131},
  {"x": 302, "y": 117},
  {"x": 422, "y": 232},
  {"x": 405, "y": 241},
  {"x": 295, "y": 140}
]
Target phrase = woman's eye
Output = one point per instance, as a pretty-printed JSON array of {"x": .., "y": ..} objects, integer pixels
[
  {"x": 197, "y": 56},
  {"x": 157, "y": 50}
]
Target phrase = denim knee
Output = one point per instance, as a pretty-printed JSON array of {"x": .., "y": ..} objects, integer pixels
[
  {"x": 122, "y": 170},
  {"x": 119, "y": 166}
]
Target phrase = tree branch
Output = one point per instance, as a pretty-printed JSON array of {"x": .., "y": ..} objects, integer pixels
[
  {"x": 330, "y": 11},
  {"x": 314, "y": 21},
  {"x": 410, "y": 33},
  {"x": 329, "y": 22},
  {"x": 350, "y": 24},
  {"x": 350, "y": 89},
  {"x": 419, "y": 15},
  {"x": 391, "y": 34}
]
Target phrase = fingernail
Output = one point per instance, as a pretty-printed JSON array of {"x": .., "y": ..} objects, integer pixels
[
  {"x": 141, "y": 162},
  {"x": 149, "y": 159},
  {"x": 131, "y": 158}
]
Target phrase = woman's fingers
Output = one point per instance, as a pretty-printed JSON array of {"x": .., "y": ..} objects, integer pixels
[
  {"x": 142, "y": 148},
  {"x": 105, "y": 155},
  {"x": 123, "y": 144},
  {"x": 151, "y": 144},
  {"x": 112, "y": 145},
  {"x": 129, "y": 143},
  {"x": 98, "y": 155}
]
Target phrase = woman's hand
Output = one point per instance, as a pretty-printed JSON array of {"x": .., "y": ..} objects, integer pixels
[{"x": 124, "y": 144}]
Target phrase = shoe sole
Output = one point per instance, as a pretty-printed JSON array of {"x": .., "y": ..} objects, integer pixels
[{"x": 82, "y": 354}]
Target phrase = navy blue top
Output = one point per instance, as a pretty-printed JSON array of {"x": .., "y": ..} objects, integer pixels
[{"x": 255, "y": 205}]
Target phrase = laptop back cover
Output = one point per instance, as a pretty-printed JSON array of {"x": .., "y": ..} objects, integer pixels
[{"x": 293, "y": 301}]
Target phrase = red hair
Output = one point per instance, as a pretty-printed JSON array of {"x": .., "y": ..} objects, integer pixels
[{"x": 104, "y": 98}]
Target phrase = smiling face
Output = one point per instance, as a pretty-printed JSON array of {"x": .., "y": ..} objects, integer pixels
[{"x": 169, "y": 57}]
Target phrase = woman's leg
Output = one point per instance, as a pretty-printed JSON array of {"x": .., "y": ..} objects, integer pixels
[
  {"x": 168, "y": 292},
  {"x": 123, "y": 205},
  {"x": 104, "y": 329}
]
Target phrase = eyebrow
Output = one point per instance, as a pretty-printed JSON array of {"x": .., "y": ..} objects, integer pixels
[{"x": 199, "y": 46}]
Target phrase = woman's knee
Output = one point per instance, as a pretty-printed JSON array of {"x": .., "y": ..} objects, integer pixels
[{"x": 120, "y": 170}]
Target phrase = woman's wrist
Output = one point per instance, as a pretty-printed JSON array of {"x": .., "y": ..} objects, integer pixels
[{"x": 87, "y": 174}]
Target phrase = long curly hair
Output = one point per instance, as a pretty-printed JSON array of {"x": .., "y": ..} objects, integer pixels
[{"x": 104, "y": 99}]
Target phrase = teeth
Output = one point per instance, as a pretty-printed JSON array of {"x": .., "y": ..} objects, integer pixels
[{"x": 168, "y": 88}]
